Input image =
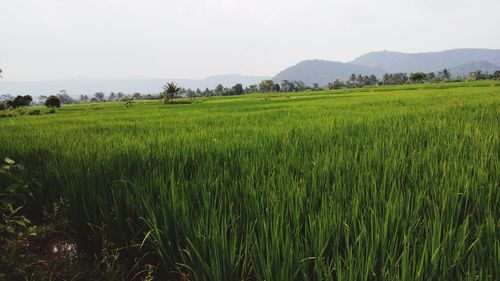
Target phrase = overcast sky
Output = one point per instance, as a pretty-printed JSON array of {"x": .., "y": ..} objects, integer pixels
[{"x": 51, "y": 39}]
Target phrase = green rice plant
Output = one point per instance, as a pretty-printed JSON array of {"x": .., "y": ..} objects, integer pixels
[{"x": 379, "y": 183}]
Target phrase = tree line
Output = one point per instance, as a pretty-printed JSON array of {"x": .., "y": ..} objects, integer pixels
[
  {"x": 356, "y": 81},
  {"x": 171, "y": 90}
]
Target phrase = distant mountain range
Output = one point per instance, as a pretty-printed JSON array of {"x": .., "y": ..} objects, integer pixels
[
  {"x": 459, "y": 61},
  {"x": 322, "y": 71},
  {"x": 88, "y": 86}
]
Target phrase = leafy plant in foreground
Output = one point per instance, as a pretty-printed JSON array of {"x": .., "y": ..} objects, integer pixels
[{"x": 129, "y": 101}]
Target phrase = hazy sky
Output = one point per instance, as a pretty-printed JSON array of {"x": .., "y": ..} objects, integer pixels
[{"x": 50, "y": 39}]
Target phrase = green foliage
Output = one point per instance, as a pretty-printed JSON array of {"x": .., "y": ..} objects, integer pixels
[
  {"x": 13, "y": 112},
  {"x": 170, "y": 89},
  {"x": 99, "y": 97},
  {"x": 335, "y": 85},
  {"x": 129, "y": 101},
  {"x": 238, "y": 89},
  {"x": 17, "y": 206},
  {"x": 395, "y": 79},
  {"x": 496, "y": 75},
  {"x": 36, "y": 239},
  {"x": 34, "y": 112},
  {"x": 444, "y": 75},
  {"x": 417, "y": 77},
  {"x": 52, "y": 102},
  {"x": 20, "y": 101},
  {"x": 385, "y": 183},
  {"x": 266, "y": 86},
  {"x": 219, "y": 90}
]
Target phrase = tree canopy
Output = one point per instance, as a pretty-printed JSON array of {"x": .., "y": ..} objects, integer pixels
[
  {"x": 53, "y": 102},
  {"x": 170, "y": 89}
]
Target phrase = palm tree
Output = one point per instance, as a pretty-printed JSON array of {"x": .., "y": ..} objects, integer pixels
[
  {"x": 352, "y": 78},
  {"x": 169, "y": 92},
  {"x": 445, "y": 75}
]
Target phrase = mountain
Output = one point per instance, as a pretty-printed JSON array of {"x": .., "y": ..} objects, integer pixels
[
  {"x": 322, "y": 71},
  {"x": 459, "y": 61},
  {"x": 83, "y": 85},
  {"x": 433, "y": 61},
  {"x": 466, "y": 68}
]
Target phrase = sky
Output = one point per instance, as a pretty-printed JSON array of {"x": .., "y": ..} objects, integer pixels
[{"x": 54, "y": 39}]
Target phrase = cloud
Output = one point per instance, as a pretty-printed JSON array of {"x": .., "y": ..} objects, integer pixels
[{"x": 43, "y": 39}]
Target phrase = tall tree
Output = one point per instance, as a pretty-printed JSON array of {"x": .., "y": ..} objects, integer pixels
[
  {"x": 238, "y": 89},
  {"x": 266, "y": 85},
  {"x": 99, "y": 96},
  {"x": 444, "y": 75},
  {"x": 276, "y": 88},
  {"x": 387, "y": 79},
  {"x": 299, "y": 86},
  {"x": 496, "y": 74},
  {"x": 287, "y": 86},
  {"x": 207, "y": 92},
  {"x": 83, "y": 99},
  {"x": 120, "y": 96},
  {"x": 477, "y": 75},
  {"x": 252, "y": 89},
  {"x": 352, "y": 78},
  {"x": 169, "y": 91},
  {"x": 417, "y": 77},
  {"x": 190, "y": 93},
  {"x": 430, "y": 77},
  {"x": 399, "y": 78},
  {"x": 52, "y": 102},
  {"x": 360, "y": 81},
  {"x": 137, "y": 96},
  {"x": 65, "y": 98},
  {"x": 219, "y": 90},
  {"x": 337, "y": 84}
]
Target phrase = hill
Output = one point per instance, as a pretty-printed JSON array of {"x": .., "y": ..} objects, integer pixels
[
  {"x": 322, "y": 71},
  {"x": 459, "y": 61},
  {"x": 431, "y": 61},
  {"x": 466, "y": 68}
]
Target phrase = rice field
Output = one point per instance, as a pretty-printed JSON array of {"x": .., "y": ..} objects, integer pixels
[{"x": 386, "y": 183}]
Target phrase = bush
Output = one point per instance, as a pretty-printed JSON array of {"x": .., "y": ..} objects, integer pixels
[
  {"x": 19, "y": 201},
  {"x": 34, "y": 112},
  {"x": 18, "y": 112}
]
